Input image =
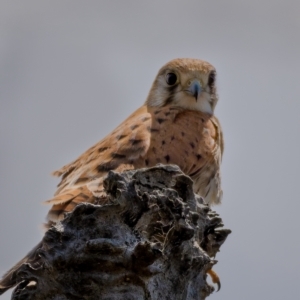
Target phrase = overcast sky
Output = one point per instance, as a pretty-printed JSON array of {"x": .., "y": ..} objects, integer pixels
[{"x": 70, "y": 71}]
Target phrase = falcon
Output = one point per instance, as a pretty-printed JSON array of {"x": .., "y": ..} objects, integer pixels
[{"x": 175, "y": 125}]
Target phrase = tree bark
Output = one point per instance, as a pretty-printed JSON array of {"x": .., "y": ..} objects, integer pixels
[{"x": 155, "y": 239}]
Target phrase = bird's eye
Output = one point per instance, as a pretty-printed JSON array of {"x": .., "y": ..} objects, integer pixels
[
  {"x": 211, "y": 79},
  {"x": 171, "y": 78}
]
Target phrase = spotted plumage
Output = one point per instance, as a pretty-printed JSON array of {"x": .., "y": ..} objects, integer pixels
[{"x": 176, "y": 125}]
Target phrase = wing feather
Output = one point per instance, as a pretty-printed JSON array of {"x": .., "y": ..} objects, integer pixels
[{"x": 127, "y": 143}]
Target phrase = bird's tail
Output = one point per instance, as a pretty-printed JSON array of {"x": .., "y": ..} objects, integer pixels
[{"x": 9, "y": 279}]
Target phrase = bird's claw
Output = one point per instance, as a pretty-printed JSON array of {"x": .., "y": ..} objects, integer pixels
[{"x": 215, "y": 278}]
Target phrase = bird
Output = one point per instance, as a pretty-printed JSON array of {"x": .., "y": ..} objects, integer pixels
[{"x": 175, "y": 125}]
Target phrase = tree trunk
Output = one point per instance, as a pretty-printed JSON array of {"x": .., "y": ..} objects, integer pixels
[{"x": 153, "y": 240}]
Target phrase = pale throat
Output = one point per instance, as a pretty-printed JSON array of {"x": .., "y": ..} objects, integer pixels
[{"x": 203, "y": 103}]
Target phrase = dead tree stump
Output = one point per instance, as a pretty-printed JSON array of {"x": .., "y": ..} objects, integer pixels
[{"x": 155, "y": 239}]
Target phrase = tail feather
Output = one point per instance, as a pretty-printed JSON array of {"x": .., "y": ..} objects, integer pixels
[{"x": 9, "y": 279}]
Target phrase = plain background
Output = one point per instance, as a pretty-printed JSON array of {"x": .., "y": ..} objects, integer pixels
[{"x": 70, "y": 71}]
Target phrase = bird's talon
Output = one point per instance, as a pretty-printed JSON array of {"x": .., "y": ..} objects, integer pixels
[{"x": 215, "y": 278}]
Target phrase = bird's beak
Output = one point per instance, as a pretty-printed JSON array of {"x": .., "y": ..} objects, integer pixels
[{"x": 194, "y": 88}]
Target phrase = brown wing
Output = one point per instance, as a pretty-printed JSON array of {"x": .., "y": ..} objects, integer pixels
[
  {"x": 82, "y": 179},
  {"x": 208, "y": 182}
]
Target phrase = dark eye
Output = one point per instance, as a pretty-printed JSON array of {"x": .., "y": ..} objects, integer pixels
[
  {"x": 171, "y": 78},
  {"x": 211, "y": 79}
]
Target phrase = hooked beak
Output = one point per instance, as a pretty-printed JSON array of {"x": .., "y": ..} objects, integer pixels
[{"x": 194, "y": 88}]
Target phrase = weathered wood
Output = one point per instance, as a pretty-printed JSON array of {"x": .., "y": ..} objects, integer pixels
[{"x": 155, "y": 239}]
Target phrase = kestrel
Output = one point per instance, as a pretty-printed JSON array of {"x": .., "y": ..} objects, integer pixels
[{"x": 176, "y": 125}]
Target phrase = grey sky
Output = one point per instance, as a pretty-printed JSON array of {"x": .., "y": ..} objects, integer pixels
[{"x": 70, "y": 71}]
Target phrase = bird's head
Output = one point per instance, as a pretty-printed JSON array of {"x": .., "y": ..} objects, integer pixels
[{"x": 187, "y": 83}]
